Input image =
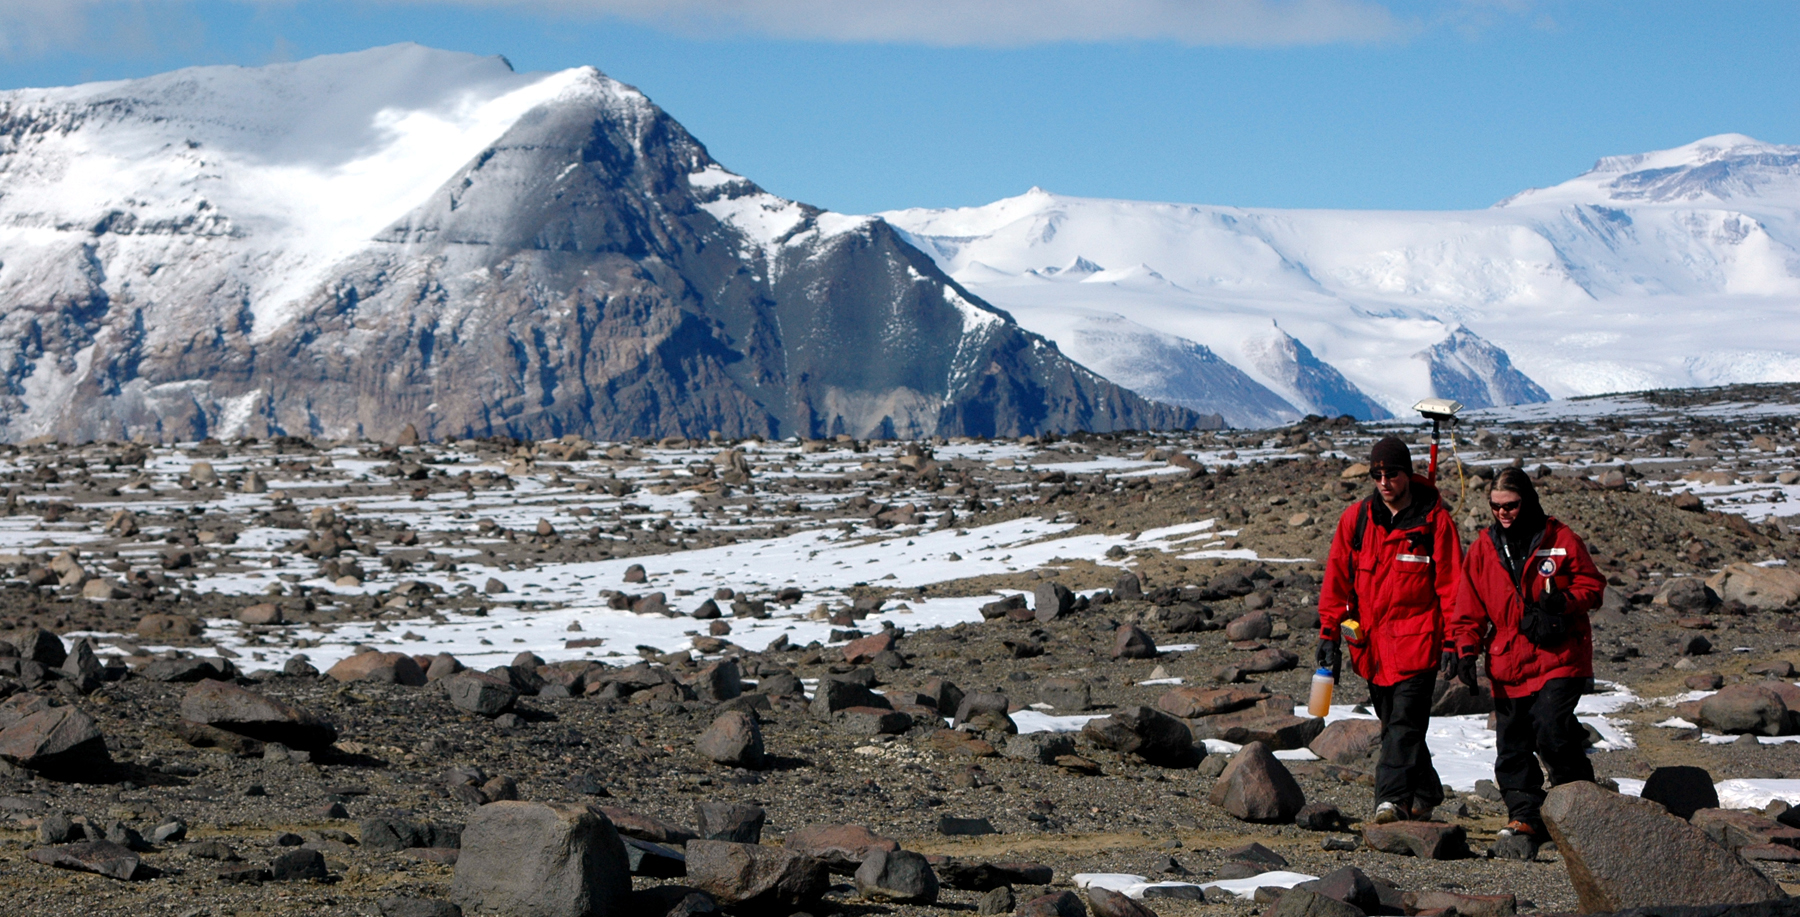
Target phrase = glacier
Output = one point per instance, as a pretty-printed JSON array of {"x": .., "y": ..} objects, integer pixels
[{"x": 1674, "y": 268}]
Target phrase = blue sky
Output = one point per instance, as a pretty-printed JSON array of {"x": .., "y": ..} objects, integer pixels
[{"x": 861, "y": 105}]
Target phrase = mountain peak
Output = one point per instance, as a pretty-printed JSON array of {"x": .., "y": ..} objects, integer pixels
[{"x": 1722, "y": 167}]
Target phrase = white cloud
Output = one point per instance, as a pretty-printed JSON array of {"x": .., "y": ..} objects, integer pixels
[
  {"x": 1009, "y": 22},
  {"x": 34, "y": 26}
]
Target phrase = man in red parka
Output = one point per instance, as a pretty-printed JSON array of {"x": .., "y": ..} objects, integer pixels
[
  {"x": 1527, "y": 587},
  {"x": 1394, "y": 566}
]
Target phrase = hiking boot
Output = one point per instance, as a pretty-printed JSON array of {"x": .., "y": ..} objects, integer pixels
[
  {"x": 1522, "y": 829},
  {"x": 1422, "y": 813},
  {"x": 1387, "y": 813}
]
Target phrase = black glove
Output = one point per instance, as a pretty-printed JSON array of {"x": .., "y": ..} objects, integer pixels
[
  {"x": 1447, "y": 663},
  {"x": 1465, "y": 671},
  {"x": 1328, "y": 655},
  {"x": 1556, "y": 603},
  {"x": 1546, "y": 629}
]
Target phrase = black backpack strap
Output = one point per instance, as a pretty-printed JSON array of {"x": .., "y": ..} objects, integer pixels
[{"x": 1362, "y": 523}]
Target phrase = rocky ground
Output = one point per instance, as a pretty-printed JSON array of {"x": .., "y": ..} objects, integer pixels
[{"x": 260, "y": 563}]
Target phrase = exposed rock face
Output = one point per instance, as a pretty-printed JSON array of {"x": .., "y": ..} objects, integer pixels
[{"x": 590, "y": 271}]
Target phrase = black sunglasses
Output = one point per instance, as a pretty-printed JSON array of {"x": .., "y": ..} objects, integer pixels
[
  {"x": 1382, "y": 474},
  {"x": 1508, "y": 507}
]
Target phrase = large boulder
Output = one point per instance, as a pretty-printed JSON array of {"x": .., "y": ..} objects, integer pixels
[
  {"x": 103, "y": 857},
  {"x": 834, "y": 694},
  {"x": 1193, "y": 701},
  {"x": 1256, "y": 786},
  {"x": 479, "y": 693},
  {"x": 728, "y": 821},
  {"x": 1347, "y": 741},
  {"x": 59, "y": 741},
  {"x": 1052, "y": 601},
  {"x": 841, "y": 847},
  {"x": 1301, "y": 902},
  {"x": 1746, "y": 707},
  {"x": 734, "y": 739},
  {"x": 1148, "y": 733},
  {"x": 1274, "y": 726},
  {"x": 387, "y": 668},
  {"x": 1130, "y": 642},
  {"x": 226, "y": 706},
  {"x": 1625, "y": 852},
  {"x": 1427, "y": 840},
  {"x": 1759, "y": 588},
  {"x": 900, "y": 876},
  {"x": 751, "y": 878},
  {"x": 529, "y": 859}
]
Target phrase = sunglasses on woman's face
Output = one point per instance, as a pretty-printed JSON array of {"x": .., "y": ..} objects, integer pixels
[{"x": 1510, "y": 506}]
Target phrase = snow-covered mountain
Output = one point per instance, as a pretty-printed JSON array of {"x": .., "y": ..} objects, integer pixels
[
  {"x": 1675, "y": 268},
  {"x": 347, "y": 244}
]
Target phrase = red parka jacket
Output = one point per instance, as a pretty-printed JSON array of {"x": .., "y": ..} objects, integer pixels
[
  {"x": 1401, "y": 585},
  {"x": 1490, "y": 605}
]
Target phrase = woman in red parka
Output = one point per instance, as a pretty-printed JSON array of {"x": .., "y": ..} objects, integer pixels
[{"x": 1527, "y": 587}]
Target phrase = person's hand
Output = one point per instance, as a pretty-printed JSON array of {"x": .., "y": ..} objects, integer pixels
[
  {"x": 1465, "y": 671},
  {"x": 1555, "y": 603},
  {"x": 1328, "y": 655},
  {"x": 1447, "y": 662}
]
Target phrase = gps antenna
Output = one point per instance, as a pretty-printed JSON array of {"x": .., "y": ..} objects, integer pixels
[{"x": 1439, "y": 411}]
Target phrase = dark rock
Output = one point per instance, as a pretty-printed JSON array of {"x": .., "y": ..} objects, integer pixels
[
  {"x": 726, "y": 821},
  {"x": 42, "y": 647},
  {"x": 1051, "y": 601},
  {"x": 1736, "y": 828},
  {"x": 1148, "y": 733},
  {"x": 1349, "y": 885},
  {"x": 480, "y": 693},
  {"x": 653, "y": 861},
  {"x": 718, "y": 681},
  {"x": 899, "y": 876},
  {"x": 952, "y": 826},
  {"x": 1320, "y": 816},
  {"x": 52, "y": 740},
  {"x": 987, "y": 876},
  {"x": 102, "y": 857},
  {"x": 1422, "y": 839},
  {"x": 383, "y": 668},
  {"x": 835, "y": 694},
  {"x": 1104, "y": 902},
  {"x": 1299, "y": 902},
  {"x": 188, "y": 670},
  {"x": 1606, "y": 840},
  {"x": 1130, "y": 642},
  {"x": 1003, "y": 607},
  {"x": 1433, "y": 899},
  {"x": 1256, "y": 625},
  {"x": 1256, "y": 854},
  {"x": 416, "y": 907},
  {"x": 1269, "y": 724},
  {"x": 1066, "y": 694},
  {"x": 840, "y": 847},
  {"x": 734, "y": 739},
  {"x": 1255, "y": 786},
  {"x": 541, "y": 860},
  {"x": 1347, "y": 741},
  {"x": 672, "y": 901},
  {"x": 753, "y": 878},
  {"x": 296, "y": 865},
  {"x": 986, "y": 710},
  {"x": 1059, "y": 904},
  {"x": 1450, "y": 697},
  {"x": 1273, "y": 659},
  {"x": 632, "y": 824},
  {"x": 1190, "y": 702},
  {"x": 1041, "y": 747},
  {"x": 1681, "y": 790},
  {"x": 226, "y": 706},
  {"x": 1521, "y": 847},
  {"x": 202, "y": 736},
  {"x": 1746, "y": 707},
  {"x": 872, "y": 721}
]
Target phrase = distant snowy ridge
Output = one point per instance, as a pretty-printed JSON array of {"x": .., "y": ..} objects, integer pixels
[{"x": 1668, "y": 269}]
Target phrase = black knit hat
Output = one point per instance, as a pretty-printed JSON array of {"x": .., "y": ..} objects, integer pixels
[{"x": 1392, "y": 454}]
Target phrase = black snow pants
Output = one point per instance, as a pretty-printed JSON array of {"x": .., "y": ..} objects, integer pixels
[
  {"x": 1404, "y": 775},
  {"x": 1535, "y": 726}
]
